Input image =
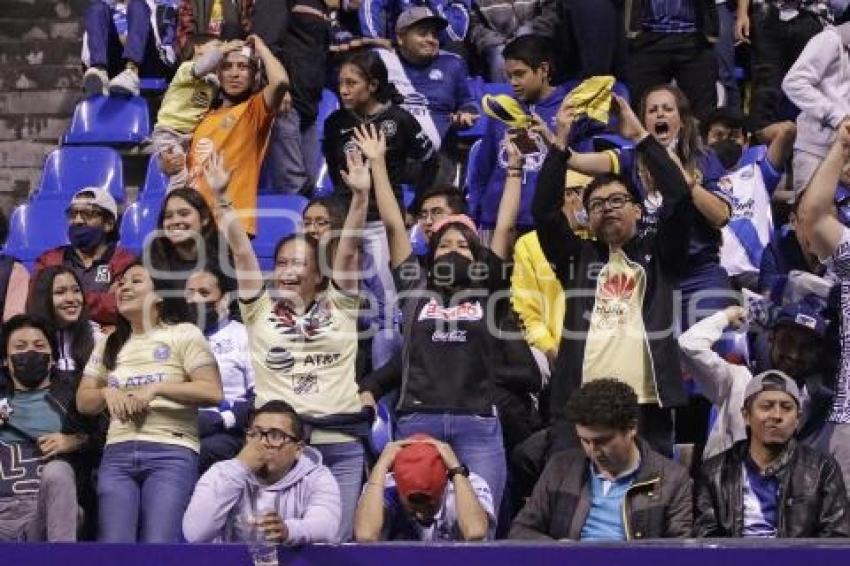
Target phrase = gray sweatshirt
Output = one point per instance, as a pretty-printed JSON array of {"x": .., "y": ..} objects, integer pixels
[{"x": 307, "y": 499}]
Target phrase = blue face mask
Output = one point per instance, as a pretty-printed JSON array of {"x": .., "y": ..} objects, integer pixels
[{"x": 85, "y": 237}]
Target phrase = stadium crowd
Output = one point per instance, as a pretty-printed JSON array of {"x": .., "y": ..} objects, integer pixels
[{"x": 616, "y": 308}]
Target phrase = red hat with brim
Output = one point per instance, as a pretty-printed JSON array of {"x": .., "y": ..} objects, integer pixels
[{"x": 419, "y": 469}]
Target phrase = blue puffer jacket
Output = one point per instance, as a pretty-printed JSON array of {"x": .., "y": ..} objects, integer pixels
[{"x": 487, "y": 178}]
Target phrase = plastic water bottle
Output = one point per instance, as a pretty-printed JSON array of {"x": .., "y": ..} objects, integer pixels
[{"x": 263, "y": 552}]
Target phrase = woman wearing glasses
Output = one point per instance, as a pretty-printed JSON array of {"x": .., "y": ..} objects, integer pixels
[
  {"x": 303, "y": 331},
  {"x": 276, "y": 484},
  {"x": 151, "y": 374}
]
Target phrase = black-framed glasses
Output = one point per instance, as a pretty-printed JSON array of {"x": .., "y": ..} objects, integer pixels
[
  {"x": 274, "y": 437},
  {"x": 615, "y": 201}
]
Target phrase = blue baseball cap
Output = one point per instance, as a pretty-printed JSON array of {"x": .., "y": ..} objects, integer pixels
[{"x": 806, "y": 313}]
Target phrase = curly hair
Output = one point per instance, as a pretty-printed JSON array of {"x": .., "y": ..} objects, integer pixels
[{"x": 606, "y": 403}]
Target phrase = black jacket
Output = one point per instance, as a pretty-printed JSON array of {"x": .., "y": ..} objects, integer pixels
[
  {"x": 663, "y": 256},
  {"x": 812, "y": 498},
  {"x": 657, "y": 505},
  {"x": 706, "y": 12},
  {"x": 406, "y": 143},
  {"x": 301, "y": 42}
]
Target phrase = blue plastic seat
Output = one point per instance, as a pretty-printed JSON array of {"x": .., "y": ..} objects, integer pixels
[
  {"x": 471, "y": 161},
  {"x": 156, "y": 182},
  {"x": 138, "y": 221},
  {"x": 277, "y": 216},
  {"x": 109, "y": 120},
  {"x": 69, "y": 169},
  {"x": 153, "y": 85},
  {"x": 36, "y": 227},
  {"x": 382, "y": 428}
]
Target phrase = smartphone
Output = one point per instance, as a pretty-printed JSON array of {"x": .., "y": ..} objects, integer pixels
[{"x": 523, "y": 141}]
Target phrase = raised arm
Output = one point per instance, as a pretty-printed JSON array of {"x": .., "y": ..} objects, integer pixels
[
  {"x": 374, "y": 147},
  {"x": 278, "y": 79},
  {"x": 249, "y": 276},
  {"x": 346, "y": 262},
  {"x": 503, "y": 234},
  {"x": 369, "y": 516},
  {"x": 816, "y": 215},
  {"x": 779, "y": 138}
]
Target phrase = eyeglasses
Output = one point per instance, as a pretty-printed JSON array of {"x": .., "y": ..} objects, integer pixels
[
  {"x": 434, "y": 214},
  {"x": 318, "y": 222},
  {"x": 298, "y": 263},
  {"x": 274, "y": 437},
  {"x": 85, "y": 213},
  {"x": 615, "y": 201}
]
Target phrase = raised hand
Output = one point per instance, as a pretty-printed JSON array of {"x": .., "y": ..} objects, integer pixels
[
  {"x": 563, "y": 123},
  {"x": 630, "y": 124},
  {"x": 216, "y": 174},
  {"x": 371, "y": 141},
  {"x": 358, "y": 177}
]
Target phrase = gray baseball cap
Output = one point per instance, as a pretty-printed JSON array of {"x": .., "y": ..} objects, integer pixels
[
  {"x": 772, "y": 380},
  {"x": 416, "y": 14}
]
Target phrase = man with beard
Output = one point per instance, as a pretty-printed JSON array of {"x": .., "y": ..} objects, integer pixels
[
  {"x": 93, "y": 253},
  {"x": 239, "y": 129},
  {"x": 768, "y": 485}
]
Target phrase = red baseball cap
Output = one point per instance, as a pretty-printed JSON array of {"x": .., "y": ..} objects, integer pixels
[{"x": 419, "y": 468}]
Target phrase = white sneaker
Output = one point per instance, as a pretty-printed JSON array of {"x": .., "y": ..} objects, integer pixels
[
  {"x": 94, "y": 81},
  {"x": 125, "y": 83}
]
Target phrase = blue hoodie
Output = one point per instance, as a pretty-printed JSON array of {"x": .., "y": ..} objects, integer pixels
[{"x": 487, "y": 177}]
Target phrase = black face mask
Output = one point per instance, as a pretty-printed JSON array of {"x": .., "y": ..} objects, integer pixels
[
  {"x": 205, "y": 316},
  {"x": 30, "y": 368},
  {"x": 451, "y": 270},
  {"x": 728, "y": 152}
]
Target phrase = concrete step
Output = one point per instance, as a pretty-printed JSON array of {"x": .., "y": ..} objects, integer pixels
[
  {"x": 28, "y": 29},
  {"x": 34, "y": 128},
  {"x": 39, "y": 77},
  {"x": 40, "y": 52},
  {"x": 17, "y": 183},
  {"x": 57, "y": 102},
  {"x": 53, "y": 9},
  {"x": 24, "y": 153}
]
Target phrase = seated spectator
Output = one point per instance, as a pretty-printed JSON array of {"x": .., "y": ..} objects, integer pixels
[
  {"x": 125, "y": 40},
  {"x": 617, "y": 487},
  {"x": 611, "y": 328},
  {"x": 828, "y": 238},
  {"x": 536, "y": 294},
  {"x": 276, "y": 484},
  {"x": 222, "y": 428},
  {"x": 14, "y": 278},
  {"x": 151, "y": 374},
  {"x": 93, "y": 254},
  {"x": 298, "y": 32},
  {"x": 666, "y": 114},
  {"x": 447, "y": 375},
  {"x": 798, "y": 348},
  {"x": 379, "y": 19},
  {"x": 304, "y": 332},
  {"x": 58, "y": 300},
  {"x": 496, "y": 23},
  {"x": 432, "y": 82},
  {"x": 529, "y": 68},
  {"x": 189, "y": 97},
  {"x": 187, "y": 239},
  {"x": 674, "y": 41},
  {"x": 38, "y": 437},
  {"x": 419, "y": 490},
  {"x": 817, "y": 84},
  {"x": 239, "y": 128},
  {"x": 768, "y": 485},
  {"x": 751, "y": 189},
  {"x": 197, "y": 18},
  {"x": 778, "y": 31}
]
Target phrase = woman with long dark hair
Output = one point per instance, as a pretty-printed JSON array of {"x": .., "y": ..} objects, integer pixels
[
  {"x": 57, "y": 297},
  {"x": 187, "y": 240},
  {"x": 449, "y": 323},
  {"x": 151, "y": 374}
]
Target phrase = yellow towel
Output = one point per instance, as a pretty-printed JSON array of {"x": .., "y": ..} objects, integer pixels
[
  {"x": 505, "y": 109},
  {"x": 593, "y": 97}
]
